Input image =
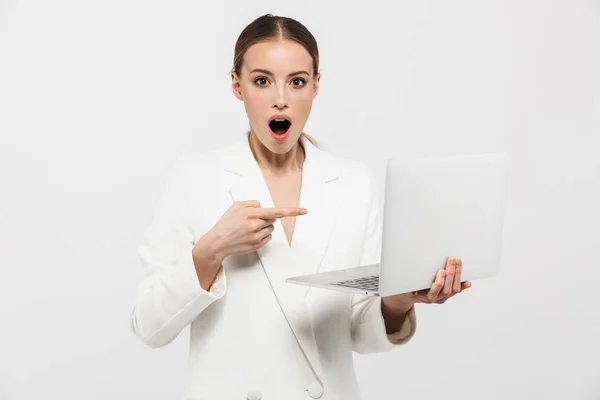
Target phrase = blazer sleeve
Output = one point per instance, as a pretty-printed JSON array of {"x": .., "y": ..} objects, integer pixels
[
  {"x": 368, "y": 326},
  {"x": 169, "y": 295}
]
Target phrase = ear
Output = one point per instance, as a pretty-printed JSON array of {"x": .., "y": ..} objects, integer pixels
[
  {"x": 236, "y": 86},
  {"x": 316, "y": 84}
]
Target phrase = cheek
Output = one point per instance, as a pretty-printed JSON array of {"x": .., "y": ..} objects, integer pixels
[
  {"x": 306, "y": 104},
  {"x": 254, "y": 102},
  {"x": 303, "y": 100},
  {"x": 253, "y": 97}
]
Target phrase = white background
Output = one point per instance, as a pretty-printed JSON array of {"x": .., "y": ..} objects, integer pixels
[{"x": 97, "y": 98}]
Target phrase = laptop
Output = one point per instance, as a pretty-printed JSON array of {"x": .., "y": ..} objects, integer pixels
[{"x": 434, "y": 207}]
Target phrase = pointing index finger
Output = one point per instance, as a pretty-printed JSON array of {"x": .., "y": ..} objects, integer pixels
[{"x": 279, "y": 212}]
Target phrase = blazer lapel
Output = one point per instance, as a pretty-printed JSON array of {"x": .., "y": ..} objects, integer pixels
[
  {"x": 319, "y": 195},
  {"x": 310, "y": 239}
]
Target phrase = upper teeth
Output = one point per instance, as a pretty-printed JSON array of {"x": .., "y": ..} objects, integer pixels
[{"x": 279, "y": 120}]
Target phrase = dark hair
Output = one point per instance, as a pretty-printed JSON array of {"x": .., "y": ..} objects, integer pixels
[{"x": 269, "y": 27}]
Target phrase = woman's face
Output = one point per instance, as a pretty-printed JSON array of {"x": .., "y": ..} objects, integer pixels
[{"x": 276, "y": 83}]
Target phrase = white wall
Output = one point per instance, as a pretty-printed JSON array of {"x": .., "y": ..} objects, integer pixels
[{"x": 98, "y": 98}]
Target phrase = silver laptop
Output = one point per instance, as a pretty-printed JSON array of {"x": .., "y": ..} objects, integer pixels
[{"x": 434, "y": 207}]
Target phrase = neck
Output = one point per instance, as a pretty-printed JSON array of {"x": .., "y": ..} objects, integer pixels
[{"x": 278, "y": 163}]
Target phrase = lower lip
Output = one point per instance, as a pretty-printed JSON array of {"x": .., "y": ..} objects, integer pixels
[{"x": 282, "y": 137}]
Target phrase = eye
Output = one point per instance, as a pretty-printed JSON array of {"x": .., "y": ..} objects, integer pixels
[
  {"x": 261, "y": 79},
  {"x": 303, "y": 82}
]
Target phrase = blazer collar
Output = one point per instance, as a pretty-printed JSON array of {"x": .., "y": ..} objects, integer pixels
[
  {"x": 240, "y": 161},
  {"x": 319, "y": 195},
  {"x": 312, "y": 232}
]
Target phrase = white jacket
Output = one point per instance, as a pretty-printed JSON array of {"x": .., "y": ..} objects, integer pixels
[{"x": 254, "y": 336}]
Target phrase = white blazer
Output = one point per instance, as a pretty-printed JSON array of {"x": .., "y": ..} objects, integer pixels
[{"x": 253, "y": 336}]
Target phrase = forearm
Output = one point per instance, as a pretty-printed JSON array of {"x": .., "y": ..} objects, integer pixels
[
  {"x": 394, "y": 314},
  {"x": 173, "y": 293},
  {"x": 169, "y": 298},
  {"x": 207, "y": 261}
]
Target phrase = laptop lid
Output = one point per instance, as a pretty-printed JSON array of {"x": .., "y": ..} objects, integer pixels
[{"x": 437, "y": 207}]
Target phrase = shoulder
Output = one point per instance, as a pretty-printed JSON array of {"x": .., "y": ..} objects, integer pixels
[
  {"x": 195, "y": 177},
  {"x": 355, "y": 181},
  {"x": 201, "y": 164},
  {"x": 357, "y": 190},
  {"x": 357, "y": 173}
]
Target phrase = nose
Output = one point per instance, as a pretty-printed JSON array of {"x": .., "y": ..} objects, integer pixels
[{"x": 281, "y": 100}]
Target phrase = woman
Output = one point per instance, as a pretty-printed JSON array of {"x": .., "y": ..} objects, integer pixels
[{"x": 233, "y": 223}]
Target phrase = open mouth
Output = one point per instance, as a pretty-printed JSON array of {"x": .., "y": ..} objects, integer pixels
[{"x": 280, "y": 126}]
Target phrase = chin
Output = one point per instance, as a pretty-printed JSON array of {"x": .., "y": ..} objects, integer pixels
[{"x": 278, "y": 147}]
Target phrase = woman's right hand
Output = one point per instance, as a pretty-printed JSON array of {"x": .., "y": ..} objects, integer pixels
[{"x": 246, "y": 227}]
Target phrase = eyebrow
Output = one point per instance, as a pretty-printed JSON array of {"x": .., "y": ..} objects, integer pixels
[{"x": 264, "y": 71}]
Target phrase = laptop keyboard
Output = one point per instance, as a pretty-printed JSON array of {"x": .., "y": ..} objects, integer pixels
[{"x": 363, "y": 283}]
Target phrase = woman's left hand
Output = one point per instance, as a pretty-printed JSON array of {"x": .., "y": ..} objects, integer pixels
[{"x": 447, "y": 283}]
